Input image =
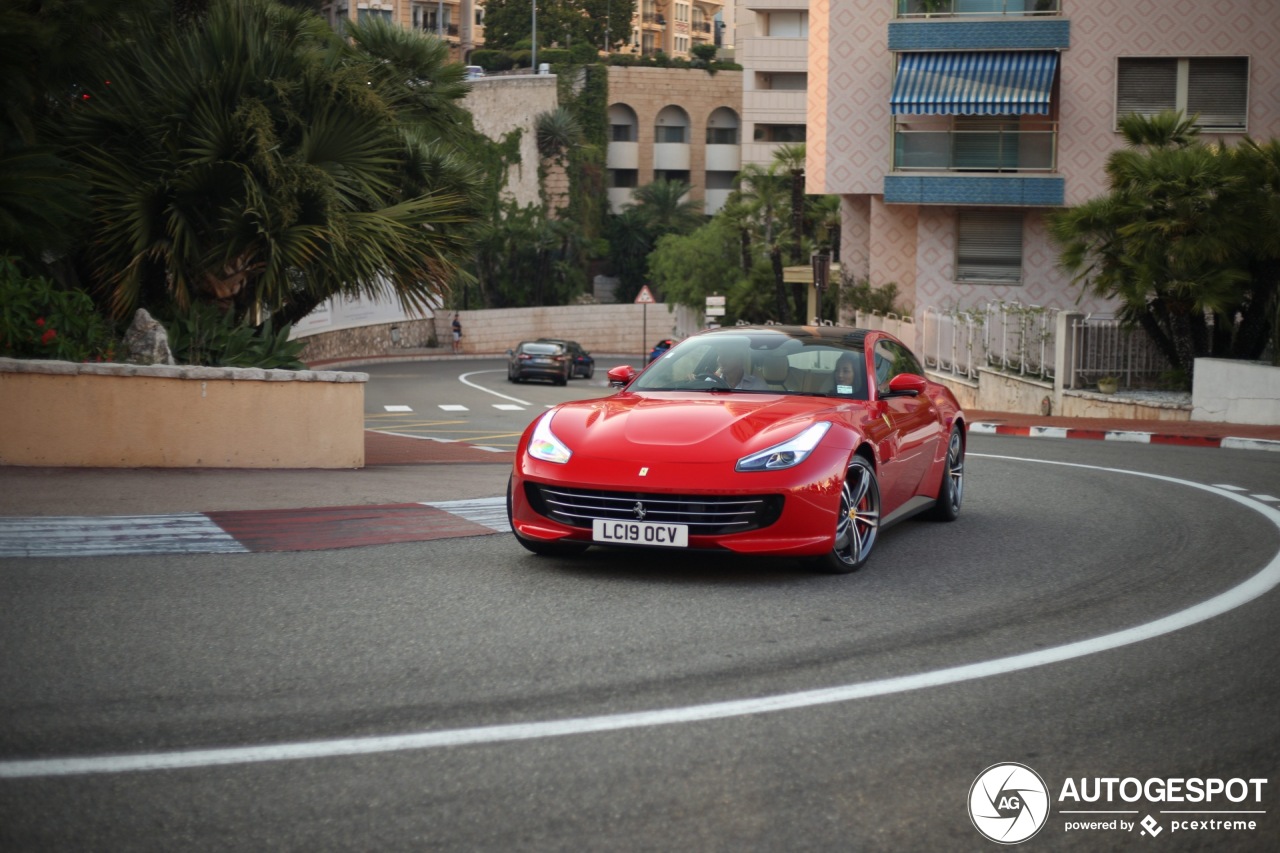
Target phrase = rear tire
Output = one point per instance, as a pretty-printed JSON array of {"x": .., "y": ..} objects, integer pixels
[
  {"x": 951, "y": 490},
  {"x": 857, "y": 523},
  {"x": 537, "y": 546}
]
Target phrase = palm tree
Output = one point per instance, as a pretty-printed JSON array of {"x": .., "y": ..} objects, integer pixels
[
  {"x": 791, "y": 159},
  {"x": 764, "y": 194},
  {"x": 1184, "y": 233},
  {"x": 259, "y": 160},
  {"x": 665, "y": 208}
]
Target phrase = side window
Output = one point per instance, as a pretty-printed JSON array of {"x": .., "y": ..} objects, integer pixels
[{"x": 892, "y": 360}]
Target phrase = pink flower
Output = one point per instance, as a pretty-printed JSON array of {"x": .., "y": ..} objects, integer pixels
[
  {"x": 39, "y": 322},
  {"x": 48, "y": 336}
]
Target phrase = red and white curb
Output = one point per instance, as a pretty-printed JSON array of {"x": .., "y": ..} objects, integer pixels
[
  {"x": 249, "y": 531},
  {"x": 1131, "y": 436}
]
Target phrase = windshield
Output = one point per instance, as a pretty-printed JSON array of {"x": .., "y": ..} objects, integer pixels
[{"x": 759, "y": 363}]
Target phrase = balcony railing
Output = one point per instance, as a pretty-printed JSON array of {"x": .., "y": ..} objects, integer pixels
[
  {"x": 961, "y": 8},
  {"x": 950, "y": 149}
]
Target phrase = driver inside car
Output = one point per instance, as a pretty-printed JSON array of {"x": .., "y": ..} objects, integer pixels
[{"x": 733, "y": 370}]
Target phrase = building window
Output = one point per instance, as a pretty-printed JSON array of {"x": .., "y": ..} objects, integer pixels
[
  {"x": 669, "y": 133},
  {"x": 722, "y": 136},
  {"x": 989, "y": 245},
  {"x": 1214, "y": 87},
  {"x": 779, "y": 133}
]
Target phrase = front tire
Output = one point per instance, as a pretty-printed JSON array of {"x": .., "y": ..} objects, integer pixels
[
  {"x": 542, "y": 549},
  {"x": 857, "y": 523},
  {"x": 951, "y": 490}
]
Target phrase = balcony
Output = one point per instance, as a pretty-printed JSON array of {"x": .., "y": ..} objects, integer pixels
[
  {"x": 972, "y": 8},
  {"x": 948, "y": 146}
]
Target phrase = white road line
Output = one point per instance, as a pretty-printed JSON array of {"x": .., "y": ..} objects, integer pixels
[
  {"x": 1259, "y": 584},
  {"x": 453, "y": 408},
  {"x": 398, "y": 408},
  {"x": 98, "y": 536},
  {"x": 490, "y": 512},
  {"x": 508, "y": 407},
  {"x": 465, "y": 380}
]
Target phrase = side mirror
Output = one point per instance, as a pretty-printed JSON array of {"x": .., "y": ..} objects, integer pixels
[
  {"x": 621, "y": 376},
  {"x": 906, "y": 385},
  {"x": 510, "y": 353}
]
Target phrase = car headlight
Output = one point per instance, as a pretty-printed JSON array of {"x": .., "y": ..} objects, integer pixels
[
  {"x": 791, "y": 452},
  {"x": 544, "y": 445}
]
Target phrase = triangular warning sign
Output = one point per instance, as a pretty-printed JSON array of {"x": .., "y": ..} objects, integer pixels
[{"x": 645, "y": 296}]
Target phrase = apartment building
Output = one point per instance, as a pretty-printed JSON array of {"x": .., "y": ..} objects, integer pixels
[
  {"x": 771, "y": 43},
  {"x": 672, "y": 27},
  {"x": 950, "y": 128},
  {"x": 458, "y": 22},
  {"x": 674, "y": 124}
]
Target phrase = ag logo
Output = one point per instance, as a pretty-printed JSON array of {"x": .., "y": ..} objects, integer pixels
[{"x": 1008, "y": 803}]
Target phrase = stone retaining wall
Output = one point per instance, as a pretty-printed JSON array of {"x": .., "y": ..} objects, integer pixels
[
  {"x": 61, "y": 414},
  {"x": 612, "y": 329}
]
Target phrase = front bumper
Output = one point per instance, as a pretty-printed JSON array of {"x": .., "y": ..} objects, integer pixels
[{"x": 804, "y": 526}]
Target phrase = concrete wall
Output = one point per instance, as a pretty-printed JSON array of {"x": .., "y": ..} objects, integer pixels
[
  {"x": 56, "y": 413},
  {"x": 615, "y": 329},
  {"x": 1238, "y": 392},
  {"x": 501, "y": 104}
]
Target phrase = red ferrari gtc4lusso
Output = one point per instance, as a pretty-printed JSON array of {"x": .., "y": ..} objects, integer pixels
[{"x": 778, "y": 440}]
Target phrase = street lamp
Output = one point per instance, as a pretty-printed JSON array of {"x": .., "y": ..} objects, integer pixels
[{"x": 533, "y": 60}]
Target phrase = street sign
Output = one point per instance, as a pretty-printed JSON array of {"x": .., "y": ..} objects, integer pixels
[
  {"x": 715, "y": 301},
  {"x": 715, "y": 310},
  {"x": 645, "y": 296}
]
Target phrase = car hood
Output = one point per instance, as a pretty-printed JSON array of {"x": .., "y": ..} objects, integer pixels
[{"x": 678, "y": 427}]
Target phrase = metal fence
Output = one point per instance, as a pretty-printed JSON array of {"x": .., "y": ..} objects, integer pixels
[
  {"x": 1005, "y": 336},
  {"x": 1105, "y": 347}
]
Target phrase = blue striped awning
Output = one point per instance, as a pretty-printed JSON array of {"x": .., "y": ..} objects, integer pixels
[{"x": 974, "y": 83}]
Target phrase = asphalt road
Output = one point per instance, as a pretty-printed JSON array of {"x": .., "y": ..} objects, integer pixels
[
  {"x": 494, "y": 411},
  {"x": 634, "y": 702}
]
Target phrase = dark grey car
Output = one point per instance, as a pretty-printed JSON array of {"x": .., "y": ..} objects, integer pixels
[{"x": 539, "y": 360}]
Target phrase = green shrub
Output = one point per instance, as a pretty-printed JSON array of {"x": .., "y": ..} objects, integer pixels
[
  {"x": 492, "y": 60},
  {"x": 40, "y": 320},
  {"x": 555, "y": 56},
  {"x": 208, "y": 335}
]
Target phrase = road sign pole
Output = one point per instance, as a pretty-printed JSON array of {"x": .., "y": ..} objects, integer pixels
[{"x": 644, "y": 297}]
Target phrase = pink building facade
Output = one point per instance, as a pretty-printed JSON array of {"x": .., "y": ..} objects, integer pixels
[{"x": 951, "y": 133}]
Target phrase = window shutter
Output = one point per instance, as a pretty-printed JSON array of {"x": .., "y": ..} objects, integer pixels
[
  {"x": 989, "y": 245},
  {"x": 1218, "y": 90},
  {"x": 1146, "y": 86}
]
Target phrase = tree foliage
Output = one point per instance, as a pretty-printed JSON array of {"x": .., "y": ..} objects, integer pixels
[
  {"x": 1185, "y": 239},
  {"x": 508, "y": 24},
  {"x": 259, "y": 160},
  {"x": 742, "y": 252}
]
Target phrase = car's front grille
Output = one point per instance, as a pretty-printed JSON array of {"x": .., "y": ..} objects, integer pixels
[{"x": 706, "y": 515}]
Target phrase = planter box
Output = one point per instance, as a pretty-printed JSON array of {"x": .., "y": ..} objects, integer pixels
[{"x": 60, "y": 414}]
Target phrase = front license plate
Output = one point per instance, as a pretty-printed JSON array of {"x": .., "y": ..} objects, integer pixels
[{"x": 640, "y": 533}]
